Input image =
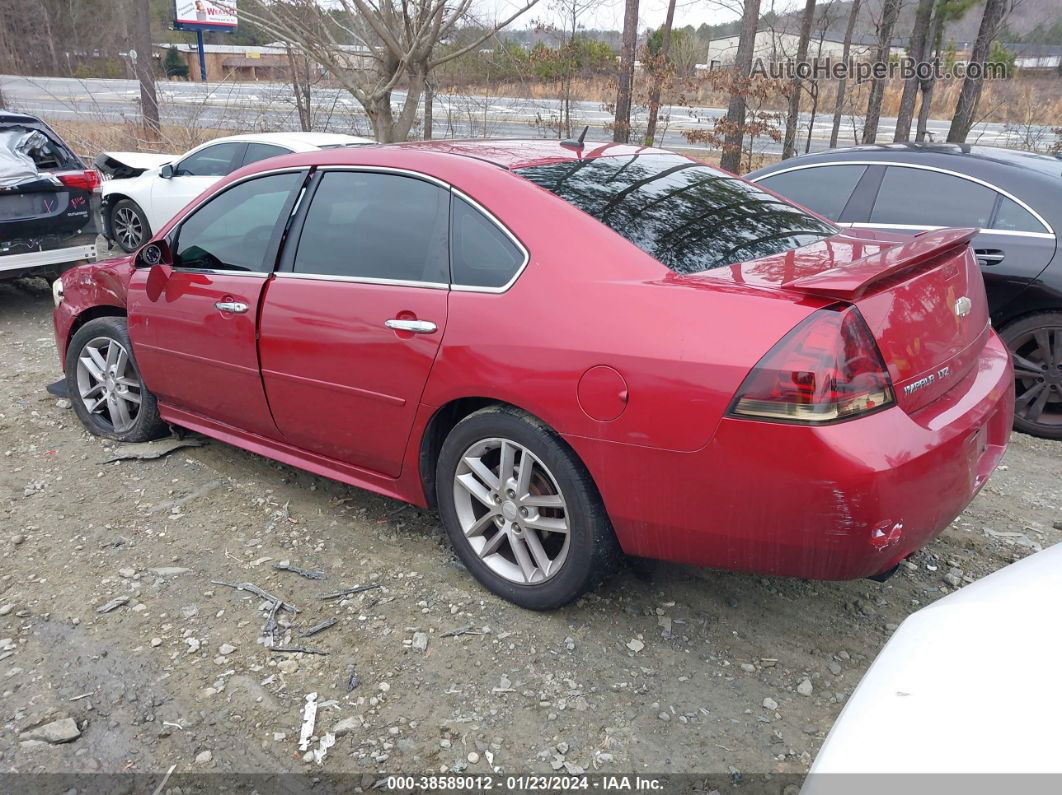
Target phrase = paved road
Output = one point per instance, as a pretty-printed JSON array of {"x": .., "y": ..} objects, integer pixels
[{"x": 268, "y": 106}]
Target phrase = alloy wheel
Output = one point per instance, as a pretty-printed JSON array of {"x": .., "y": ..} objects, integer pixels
[
  {"x": 1037, "y": 356},
  {"x": 128, "y": 227},
  {"x": 511, "y": 511},
  {"x": 108, "y": 384}
]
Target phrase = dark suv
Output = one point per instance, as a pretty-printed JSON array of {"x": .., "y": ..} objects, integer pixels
[
  {"x": 49, "y": 201},
  {"x": 1013, "y": 198}
]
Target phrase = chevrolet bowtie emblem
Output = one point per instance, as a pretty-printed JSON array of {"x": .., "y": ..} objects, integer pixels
[{"x": 963, "y": 306}]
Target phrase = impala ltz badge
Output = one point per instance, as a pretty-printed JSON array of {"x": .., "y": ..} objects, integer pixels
[
  {"x": 963, "y": 306},
  {"x": 925, "y": 381}
]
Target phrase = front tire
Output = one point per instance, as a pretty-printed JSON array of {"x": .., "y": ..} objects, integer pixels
[
  {"x": 104, "y": 384},
  {"x": 129, "y": 226},
  {"x": 1035, "y": 344},
  {"x": 521, "y": 511}
]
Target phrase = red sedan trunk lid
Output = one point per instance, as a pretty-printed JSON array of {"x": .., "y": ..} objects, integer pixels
[{"x": 922, "y": 297}]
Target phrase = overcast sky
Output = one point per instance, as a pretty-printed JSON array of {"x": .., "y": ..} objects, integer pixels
[{"x": 609, "y": 13}]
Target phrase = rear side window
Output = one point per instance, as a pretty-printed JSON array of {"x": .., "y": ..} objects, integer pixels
[
  {"x": 42, "y": 149},
  {"x": 375, "y": 226},
  {"x": 235, "y": 230},
  {"x": 256, "y": 152},
  {"x": 213, "y": 161},
  {"x": 825, "y": 189},
  {"x": 1013, "y": 217},
  {"x": 686, "y": 215},
  {"x": 916, "y": 197},
  {"x": 482, "y": 255}
]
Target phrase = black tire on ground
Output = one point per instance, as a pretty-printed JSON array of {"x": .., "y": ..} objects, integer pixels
[
  {"x": 146, "y": 424},
  {"x": 1035, "y": 343},
  {"x": 593, "y": 551},
  {"x": 126, "y": 214}
]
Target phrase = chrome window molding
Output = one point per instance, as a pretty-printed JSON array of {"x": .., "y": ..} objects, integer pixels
[
  {"x": 1048, "y": 233},
  {"x": 322, "y": 277},
  {"x": 465, "y": 288},
  {"x": 222, "y": 272},
  {"x": 921, "y": 228},
  {"x": 469, "y": 288}
]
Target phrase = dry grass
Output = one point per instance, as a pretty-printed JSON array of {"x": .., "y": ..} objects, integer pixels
[
  {"x": 89, "y": 138},
  {"x": 1028, "y": 100}
]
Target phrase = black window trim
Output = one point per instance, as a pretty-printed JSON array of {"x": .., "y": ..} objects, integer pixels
[
  {"x": 285, "y": 268},
  {"x": 1048, "y": 234},
  {"x": 293, "y": 203}
]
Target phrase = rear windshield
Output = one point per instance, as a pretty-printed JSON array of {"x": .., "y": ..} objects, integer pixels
[{"x": 686, "y": 215}]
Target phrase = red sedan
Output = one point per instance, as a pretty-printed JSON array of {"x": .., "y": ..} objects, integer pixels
[{"x": 570, "y": 352}]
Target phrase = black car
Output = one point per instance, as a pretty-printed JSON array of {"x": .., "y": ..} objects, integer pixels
[
  {"x": 49, "y": 201},
  {"x": 1014, "y": 198}
]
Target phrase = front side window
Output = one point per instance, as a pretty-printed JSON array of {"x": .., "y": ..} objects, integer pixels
[
  {"x": 824, "y": 189},
  {"x": 212, "y": 161},
  {"x": 375, "y": 226},
  {"x": 481, "y": 254},
  {"x": 686, "y": 215},
  {"x": 237, "y": 229},
  {"x": 916, "y": 197}
]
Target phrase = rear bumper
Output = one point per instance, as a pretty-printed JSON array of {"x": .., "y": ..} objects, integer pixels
[
  {"x": 837, "y": 502},
  {"x": 80, "y": 249}
]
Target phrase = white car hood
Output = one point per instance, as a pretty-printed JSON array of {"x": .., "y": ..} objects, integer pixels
[
  {"x": 970, "y": 684},
  {"x": 129, "y": 165}
]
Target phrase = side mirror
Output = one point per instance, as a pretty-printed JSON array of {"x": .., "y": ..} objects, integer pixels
[
  {"x": 154, "y": 253},
  {"x": 166, "y": 172}
]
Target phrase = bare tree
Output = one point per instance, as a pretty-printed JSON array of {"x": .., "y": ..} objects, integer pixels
[
  {"x": 926, "y": 86},
  {"x": 917, "y": 53},
  {"x": 889, "y": 12},
  {"x": 846, "y": 49},
  {"x": 400, "y": 41},
  {"x": 621, "y": 127},
  {"x": 149, "y": 101},
  {"x": 793, "y": 117},
  {"x": 735, "y": 113},
  {"x": 660, "y": 71},
  {"x": 970, "y": 93}
]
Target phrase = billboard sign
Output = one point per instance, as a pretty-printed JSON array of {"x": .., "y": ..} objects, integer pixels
[{"x": 204, "y": 15}]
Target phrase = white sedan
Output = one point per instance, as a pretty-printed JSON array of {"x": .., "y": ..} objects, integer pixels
[
  {"x": 968, "y": 685},
  {"x": 143, "y": 191}
]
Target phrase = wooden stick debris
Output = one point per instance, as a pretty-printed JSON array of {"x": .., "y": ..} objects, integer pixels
[{"x": 349, "y": 591}]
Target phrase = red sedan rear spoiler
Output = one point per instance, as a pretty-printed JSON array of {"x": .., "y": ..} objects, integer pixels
[{"x": 851, "y": 281}]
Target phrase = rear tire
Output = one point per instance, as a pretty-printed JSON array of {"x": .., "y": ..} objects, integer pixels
[
  {"x": 539, "y": 538},
  {"x": 1035, "y": 344},
  {"x": 105, "y": 387},
  {"x": 129, "y": 226}
]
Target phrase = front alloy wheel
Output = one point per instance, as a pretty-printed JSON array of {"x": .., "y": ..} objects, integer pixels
[
  {"x": 511, "y": 510},
  {"x": 104, "y": 385},
  {"x": 107, "y": 383}
]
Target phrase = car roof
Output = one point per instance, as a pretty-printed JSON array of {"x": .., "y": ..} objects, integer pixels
[
  {"x": 957, "y": 156},
  {"x": 18, "y": 118},
  {"x": 524, "y": 152},
  {"x": 296, "y": 141}
]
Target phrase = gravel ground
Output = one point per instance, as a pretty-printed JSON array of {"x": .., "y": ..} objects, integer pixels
[{"x": 665, "y": 669}]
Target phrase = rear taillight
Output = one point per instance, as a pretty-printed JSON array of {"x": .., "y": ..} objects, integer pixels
[
  {"x": 84, "y": 180},
  {"x": 826, "y": 369}
]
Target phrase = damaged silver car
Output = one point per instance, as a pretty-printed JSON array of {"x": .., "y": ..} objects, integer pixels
[{"x": 49, "y": 201}]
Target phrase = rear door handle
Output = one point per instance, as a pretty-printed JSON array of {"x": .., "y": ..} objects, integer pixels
[
  {"x": 413, "y": 326},
  {"x": 231, "y": 306},
  {"x": 989, "y": 256}
]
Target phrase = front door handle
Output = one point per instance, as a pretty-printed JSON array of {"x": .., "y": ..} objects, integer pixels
[
  {"x": 989, "y": 256},
  {"x": 413, "y": 326},
  {"x": 231, "y": 306}
]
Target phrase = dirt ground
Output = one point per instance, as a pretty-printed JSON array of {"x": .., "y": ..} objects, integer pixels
[{"x": 665, "y": 669}]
